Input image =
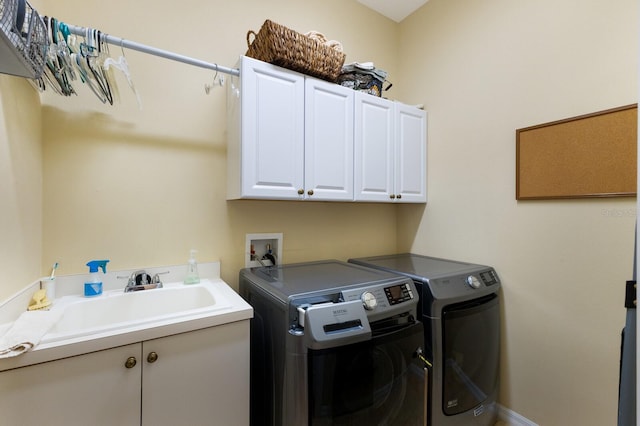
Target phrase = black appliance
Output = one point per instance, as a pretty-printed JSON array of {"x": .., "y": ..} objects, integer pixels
[
  {"x": 334, "y": 343},
  {"x": 459, "y": 307}
]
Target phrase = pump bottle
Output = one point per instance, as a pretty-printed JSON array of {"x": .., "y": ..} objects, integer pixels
[
  {"x": 93, "y": 287},
  {"x": 192, "y": 276}
]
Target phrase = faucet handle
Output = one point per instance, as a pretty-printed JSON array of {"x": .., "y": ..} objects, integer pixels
[{"x": 156, "y": 278}]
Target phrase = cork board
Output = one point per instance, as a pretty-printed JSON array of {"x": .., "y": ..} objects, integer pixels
[{"x": 591, "y": 155}]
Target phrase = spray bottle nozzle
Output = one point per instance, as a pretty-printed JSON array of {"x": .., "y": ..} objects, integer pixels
[{"x": 95, "y": 264}]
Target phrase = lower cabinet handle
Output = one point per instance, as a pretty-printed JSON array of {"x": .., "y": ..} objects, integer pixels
[
  {"x": 130, "y": 362},
  {"x": 152, "y": 357}
]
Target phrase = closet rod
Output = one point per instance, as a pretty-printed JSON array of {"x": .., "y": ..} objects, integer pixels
[{"x": 116, "y": 41}]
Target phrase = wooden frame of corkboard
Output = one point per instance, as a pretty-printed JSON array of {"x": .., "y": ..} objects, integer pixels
[{"x": 592, "y": 155}]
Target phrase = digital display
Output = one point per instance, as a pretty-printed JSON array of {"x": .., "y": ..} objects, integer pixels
[
  {"x": 398, "y": 294},
  {"x": 395, "y": 292},
  {"x": 489, "y": 278}
]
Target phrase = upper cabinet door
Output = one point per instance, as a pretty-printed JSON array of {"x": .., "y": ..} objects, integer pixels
[
  {"x": 374, "y": 148},
  {"x": 272, "y": 131},
  {"x": 411, "y": 154},
  {"x": 328, "y": 141}
]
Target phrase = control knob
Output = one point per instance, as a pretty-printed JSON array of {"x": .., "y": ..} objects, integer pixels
[
  {"x": 369, "y": 300},
  {"x": 473, "y": 282}
]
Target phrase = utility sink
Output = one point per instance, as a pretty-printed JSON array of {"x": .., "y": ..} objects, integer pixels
[
  {"x": 116, "y": 310},
  {"x": 78, "y": 325}
]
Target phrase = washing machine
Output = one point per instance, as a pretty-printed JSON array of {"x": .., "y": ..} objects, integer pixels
[
  {"x": 334, "y": 343},
  {"x": 460, "y": 309}
]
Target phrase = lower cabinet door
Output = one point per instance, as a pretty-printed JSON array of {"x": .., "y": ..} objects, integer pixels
[
  {"x": 197, "y": 378},
  {"x": 92, "y": 389}
]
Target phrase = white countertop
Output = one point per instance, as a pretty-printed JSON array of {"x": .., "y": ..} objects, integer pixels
[{"x": 229, "y": 307}]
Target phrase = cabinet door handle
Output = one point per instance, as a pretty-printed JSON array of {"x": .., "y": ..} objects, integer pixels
[
  {"x": 300, "y": 191},
  {"x": 130, "y": 362},
  {"x": 310, "y": 192},
  {"x": 152, "y": 357},
  {"x": 399, "y": 196},
  {"x": 392, "y": 196}
]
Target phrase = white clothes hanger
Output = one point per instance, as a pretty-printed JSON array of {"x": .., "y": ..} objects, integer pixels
[{"x": 123, "y": 66}]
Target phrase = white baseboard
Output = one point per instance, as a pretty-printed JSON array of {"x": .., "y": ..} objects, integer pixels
[{"x": 512, "y": 418}]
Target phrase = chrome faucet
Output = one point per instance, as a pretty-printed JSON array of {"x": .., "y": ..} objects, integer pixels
[{"x": 140, "y": 280}]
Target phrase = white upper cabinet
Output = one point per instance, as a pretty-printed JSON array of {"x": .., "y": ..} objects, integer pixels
[
  {"x": 410, "y": 154},
  {"x": 328, "y": 141},
  {"x": 374, "y": 148},
  {"x": 290, "y": 137},
  {"x": 266, "y": 133},
  {"x": 293, "y": 137},
  {"x": 390, "y": 151}
]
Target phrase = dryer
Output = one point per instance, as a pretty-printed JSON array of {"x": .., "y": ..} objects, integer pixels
[{"x": 459, "y": 306}]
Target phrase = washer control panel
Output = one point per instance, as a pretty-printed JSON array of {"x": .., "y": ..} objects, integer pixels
[
  {"x": 354, "y": 311},
  {"x": 384, "y": 297}
]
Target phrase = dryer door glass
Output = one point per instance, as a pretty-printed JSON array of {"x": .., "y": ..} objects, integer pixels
[
  {"x": 369, "y": 383},
  {"x": 471, "y": 345}
]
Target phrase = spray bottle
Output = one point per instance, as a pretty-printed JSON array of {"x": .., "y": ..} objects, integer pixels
[{"x": 93, "y": 287}]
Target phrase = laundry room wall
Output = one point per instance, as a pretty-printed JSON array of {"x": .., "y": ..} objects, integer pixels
[
  {"x": 483, "y": 70},
  {"x": 20, "y": 184},
  {"x": 142, "y": 186}
]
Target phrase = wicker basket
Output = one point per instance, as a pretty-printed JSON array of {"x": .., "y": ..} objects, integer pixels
[{"x": 284, "y": 47}]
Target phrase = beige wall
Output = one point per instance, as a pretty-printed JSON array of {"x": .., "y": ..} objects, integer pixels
[
  {"x": 20, "y": 185},
  {"x": 142, "y": 187},
  {"x": 484, "y": 69}
]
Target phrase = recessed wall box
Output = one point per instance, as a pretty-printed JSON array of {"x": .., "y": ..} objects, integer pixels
[{"x": 263, "y": 249}]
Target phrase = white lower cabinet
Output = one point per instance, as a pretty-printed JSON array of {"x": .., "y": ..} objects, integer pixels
[
  {"x": 92, "y": 389},
  {"x": 196, "y": 378},
  {"x": 200, "y": 378}
]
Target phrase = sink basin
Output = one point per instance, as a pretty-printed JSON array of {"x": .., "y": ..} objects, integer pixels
[{"x": 117, "y": 310}]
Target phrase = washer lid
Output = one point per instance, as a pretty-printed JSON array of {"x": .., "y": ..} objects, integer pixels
[
  {"x": 286, "y": 281},
  {"x": 420, "y": 268}
]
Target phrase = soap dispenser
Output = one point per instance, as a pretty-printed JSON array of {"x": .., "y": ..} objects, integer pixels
[
  {"x": 93, "y": 287},
  {"x": 192, "y": 276}
]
